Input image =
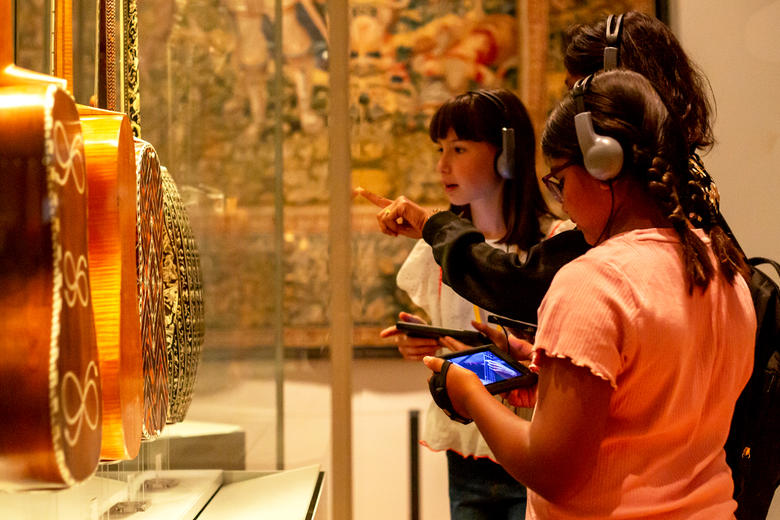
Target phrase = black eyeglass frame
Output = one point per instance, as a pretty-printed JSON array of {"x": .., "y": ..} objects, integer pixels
[{"x": 553, "y": 184}]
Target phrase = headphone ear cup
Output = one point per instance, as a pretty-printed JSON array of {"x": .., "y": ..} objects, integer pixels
[
  {"x": 602, "y": 155},
  {"x": 504, "y": 162}
]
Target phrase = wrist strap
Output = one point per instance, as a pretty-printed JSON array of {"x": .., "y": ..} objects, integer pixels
[{"x": 438, "y": 386}]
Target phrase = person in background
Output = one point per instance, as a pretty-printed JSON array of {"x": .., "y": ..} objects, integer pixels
[
  {"x": 644, "y": 44},
  {"x": 487, "y": 167},
  {"x": 639, "y": 340}
]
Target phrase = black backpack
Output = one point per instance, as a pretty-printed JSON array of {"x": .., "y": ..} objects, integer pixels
[{"x": 753, "y": 445}]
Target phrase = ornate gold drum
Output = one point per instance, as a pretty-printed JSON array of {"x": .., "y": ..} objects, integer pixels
[{"x": 183, "y": 301}]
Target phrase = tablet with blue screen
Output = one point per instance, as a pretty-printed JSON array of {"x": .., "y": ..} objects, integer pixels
[{"x": 496, "y": 369}]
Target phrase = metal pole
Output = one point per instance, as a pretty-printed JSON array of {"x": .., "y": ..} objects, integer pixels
[
  {"x": 278, "y": 236},
  {"x": 414, "y": 464}
]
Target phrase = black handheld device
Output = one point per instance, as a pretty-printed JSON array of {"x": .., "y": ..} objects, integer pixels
[
  {"x": 496, "y": 369},
  {"x": 419, "y": 330},
  {"x": 521, "y": 329}
]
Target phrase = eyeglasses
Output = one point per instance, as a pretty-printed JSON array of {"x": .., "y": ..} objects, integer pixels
[{"x": 554, "y": 184}]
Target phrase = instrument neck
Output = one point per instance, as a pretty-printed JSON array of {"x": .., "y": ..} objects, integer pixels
[
  {"x": 63, "y": 41},
  {"x": 106, "y": 56},
  {"x": 6, "y": 34},
  {"x": 10, "y": 74}
]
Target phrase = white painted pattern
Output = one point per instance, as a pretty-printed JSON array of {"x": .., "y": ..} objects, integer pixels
[
  {"x": 84, "y": 412},
  {"x": 76, "y": 281},
  {"x": 69, "y": 157}
]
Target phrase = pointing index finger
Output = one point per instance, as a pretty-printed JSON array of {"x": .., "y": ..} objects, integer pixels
[{"x": 373, "y": 198}]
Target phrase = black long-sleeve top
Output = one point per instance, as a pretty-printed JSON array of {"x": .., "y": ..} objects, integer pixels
[{"x": 493, "y": 279}]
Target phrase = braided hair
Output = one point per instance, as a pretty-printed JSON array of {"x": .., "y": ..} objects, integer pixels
[
  {"x": 625, "y": 106},
  {"x": 649, "y": 47}
]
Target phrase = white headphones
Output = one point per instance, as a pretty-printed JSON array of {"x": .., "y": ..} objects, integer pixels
[{"x": 602, "y": 155}]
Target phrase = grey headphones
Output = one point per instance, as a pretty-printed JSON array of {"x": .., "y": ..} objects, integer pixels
[
  {"x": 613, "y": 34},
  {"x": 504, "y": 163},
  {"x": 602, "y": 155}
]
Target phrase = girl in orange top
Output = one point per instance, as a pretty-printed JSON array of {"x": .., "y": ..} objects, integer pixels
[{"x": 639, "y": 339}]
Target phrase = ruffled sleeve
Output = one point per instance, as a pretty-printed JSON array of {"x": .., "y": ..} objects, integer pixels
[{"x": 587, "y": 317}]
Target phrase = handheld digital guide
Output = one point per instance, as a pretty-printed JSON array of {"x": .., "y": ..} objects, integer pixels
[
  {"x": 496, "y": 369},
  {"x": 521, "y": 329},
  {"x": 419, "y": 330}
]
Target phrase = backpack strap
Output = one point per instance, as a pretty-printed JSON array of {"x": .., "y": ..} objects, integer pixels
[{"x": 758, "y": 260}]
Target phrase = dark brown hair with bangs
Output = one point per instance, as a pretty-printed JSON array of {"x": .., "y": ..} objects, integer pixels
[{"x": 475, "y": 116}]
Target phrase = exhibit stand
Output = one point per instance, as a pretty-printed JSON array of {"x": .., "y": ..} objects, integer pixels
[
  {"x": 193, "y": 470},
  {"x": 182, "y": 495}
]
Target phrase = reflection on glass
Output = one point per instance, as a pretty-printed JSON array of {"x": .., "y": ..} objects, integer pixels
[{"x": 33, "y": 41}]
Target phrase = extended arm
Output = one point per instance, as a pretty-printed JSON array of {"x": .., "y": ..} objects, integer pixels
[
  {"x": 554, "y": 454},
  {"x": 488, "y": 277},
  {"x": 495, "y": 280}
]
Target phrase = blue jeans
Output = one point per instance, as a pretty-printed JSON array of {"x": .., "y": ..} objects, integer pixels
[{"x": 480, "y": 489}]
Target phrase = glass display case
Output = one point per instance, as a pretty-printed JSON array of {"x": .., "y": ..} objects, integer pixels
[{"x": 265, "y": 114}]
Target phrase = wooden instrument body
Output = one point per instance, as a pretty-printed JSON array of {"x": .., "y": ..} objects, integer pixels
[
  {"x": 148, "y": 197},
  {"x": 111, "y": 180},
  {"x": 110, "y": 158},
  {"x": 50, "y": 389},
  {"x": 149, "y": 244}
]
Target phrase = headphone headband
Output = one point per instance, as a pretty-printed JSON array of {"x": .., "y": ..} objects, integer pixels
[
  {"x": 496, "y": 101},
  {"x": 613, "y": 34},
  {"x": 581, "y": 86}
]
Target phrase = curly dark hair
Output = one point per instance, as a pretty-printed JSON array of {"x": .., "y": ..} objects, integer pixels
[
  {"x": 649, "y": 47},
  {"x": 625, "y": 106},
  {"x": 475, "y": 116}
]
